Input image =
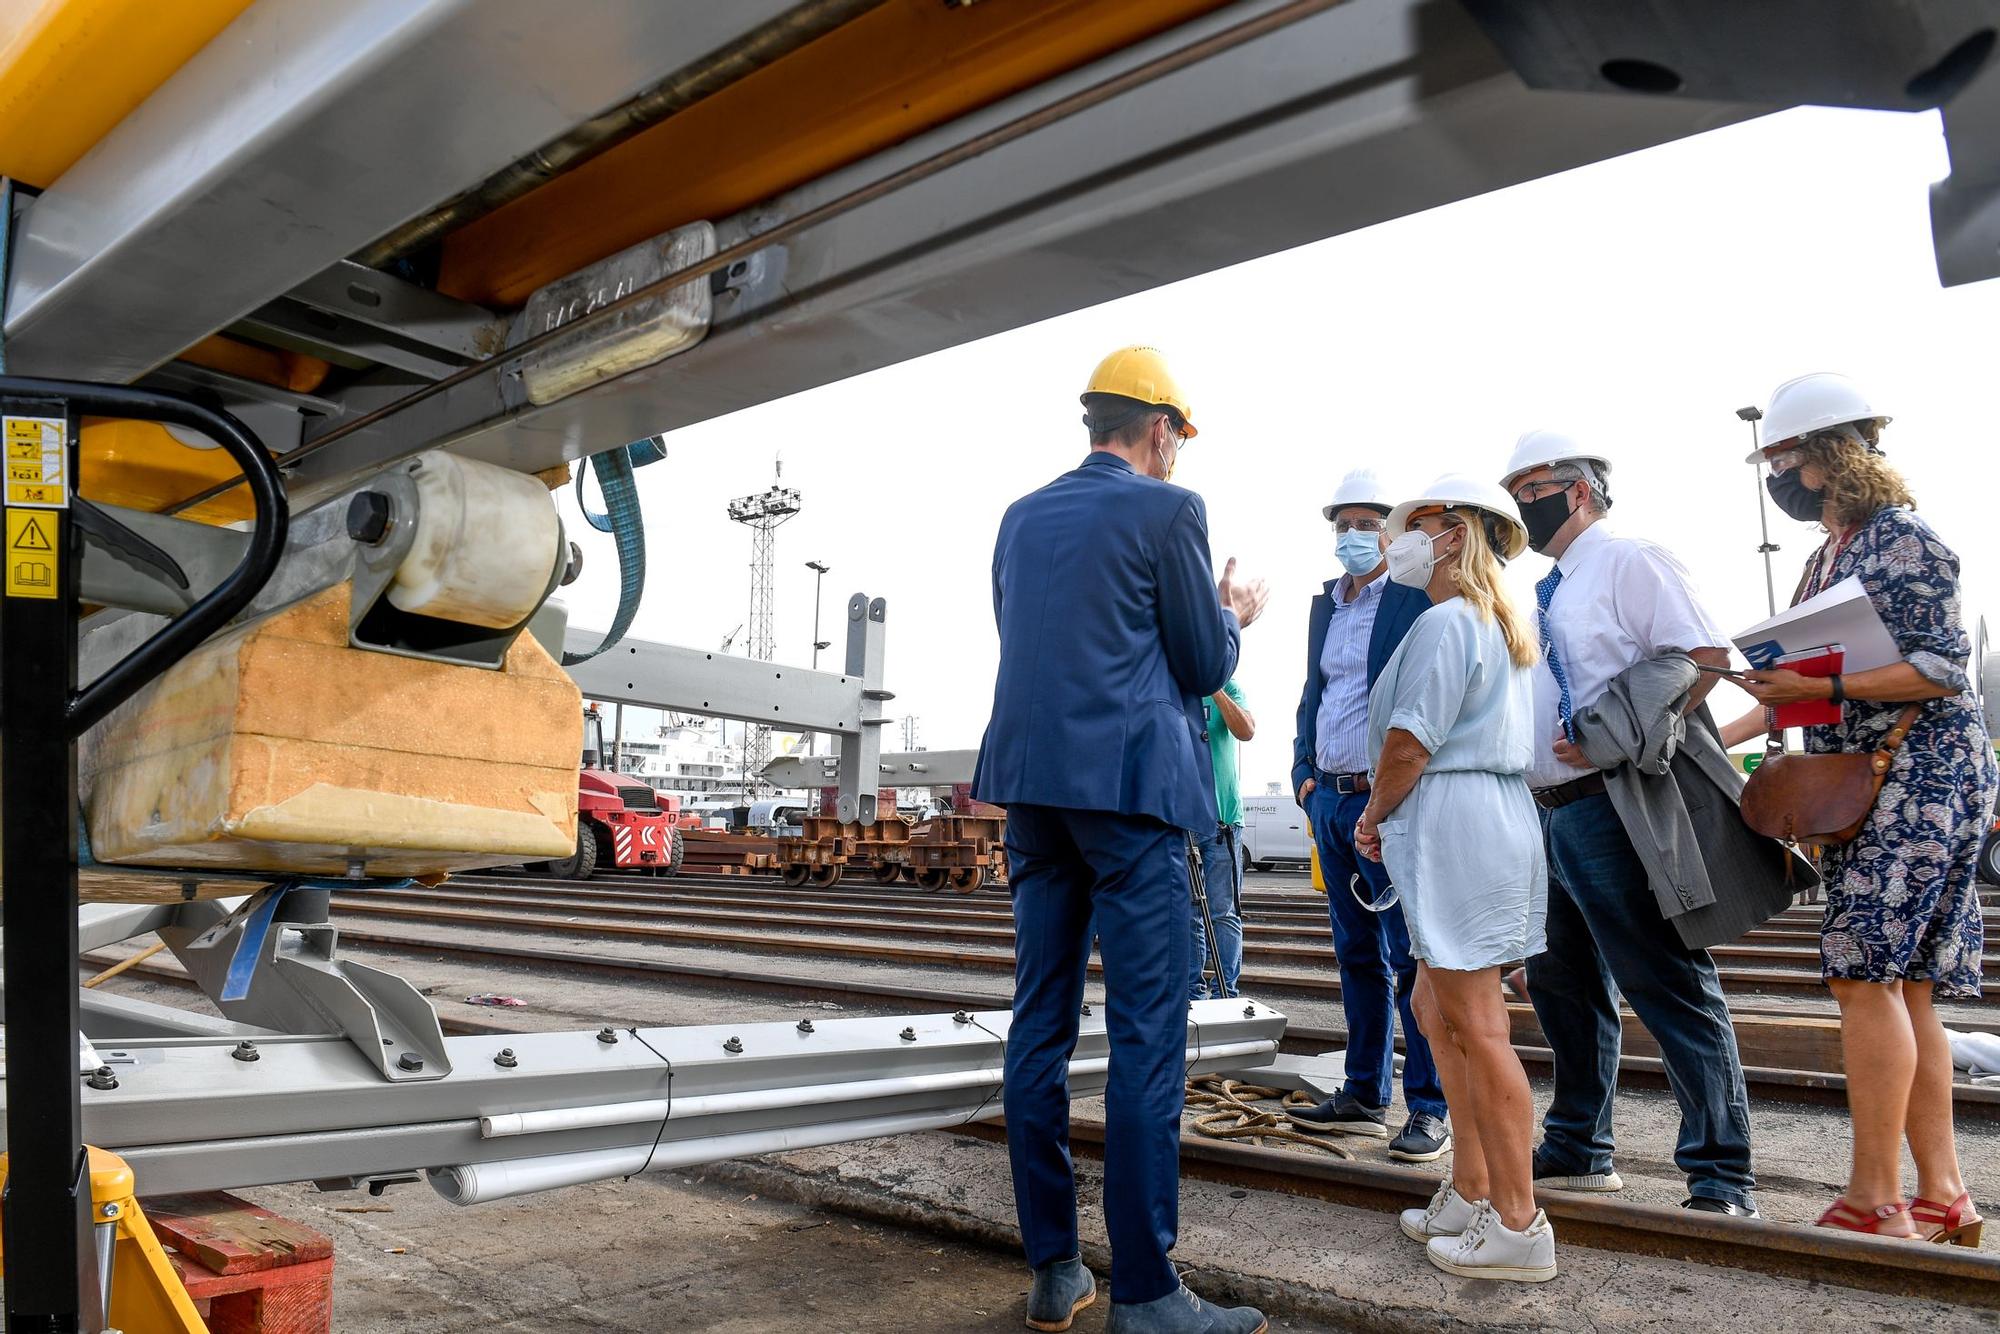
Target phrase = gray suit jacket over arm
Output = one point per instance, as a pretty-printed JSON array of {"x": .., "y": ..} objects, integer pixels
[{"x": 1676, "y": 793}]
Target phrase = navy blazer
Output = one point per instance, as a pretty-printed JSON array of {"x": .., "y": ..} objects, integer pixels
[
  {"x": 1111, "y": 636},
  {"x": 1399, "y": 611}
]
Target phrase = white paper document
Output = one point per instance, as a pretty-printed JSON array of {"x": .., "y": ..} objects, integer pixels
[{"x": 1841, "y": 615}]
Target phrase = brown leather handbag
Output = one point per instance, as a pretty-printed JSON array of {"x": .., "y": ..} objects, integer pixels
[{"x": 1823, "y": 799}]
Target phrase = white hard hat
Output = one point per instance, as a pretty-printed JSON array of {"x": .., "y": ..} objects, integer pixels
[
  {"x": 1458, "y": 490},
  {"x": 1809, "y": 403},
  {"x": 1360, "y": 487},
  {"x": 1539, "y": 449}
]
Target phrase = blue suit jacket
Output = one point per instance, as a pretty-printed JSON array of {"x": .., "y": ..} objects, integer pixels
[
  {"x": 1110, "y": 638},
  {"x": 1399, "y": 611}
]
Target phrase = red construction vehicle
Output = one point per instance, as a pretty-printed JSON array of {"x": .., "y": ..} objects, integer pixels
[{"x": 620, "y": 821}]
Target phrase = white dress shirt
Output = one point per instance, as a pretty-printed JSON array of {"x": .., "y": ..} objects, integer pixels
[
  {"x": 1340, "y": 736},
  {"x": 1621, "y": 601}
]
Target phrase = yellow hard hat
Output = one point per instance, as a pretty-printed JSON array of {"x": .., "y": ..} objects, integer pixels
[{"x": 1141, "y": 374}]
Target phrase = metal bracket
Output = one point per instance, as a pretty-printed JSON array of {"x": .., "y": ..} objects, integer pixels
[
  {"x": 861, "y": 755},
  {"x": 273, "y": 962}
]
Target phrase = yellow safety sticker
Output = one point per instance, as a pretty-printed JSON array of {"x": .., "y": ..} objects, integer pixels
[
  {"x": 32, "y": 558},
  {"x": 37, "y": 462}
]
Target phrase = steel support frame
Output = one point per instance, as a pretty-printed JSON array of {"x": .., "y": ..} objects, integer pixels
[
  {"x": 249, "y": 151},
  {"x": 1361, "y": 114},
  {"x": 846, "y": 705},
  {"x": 190, "y": 1114},
  {"x": 45, "y": 1214}
]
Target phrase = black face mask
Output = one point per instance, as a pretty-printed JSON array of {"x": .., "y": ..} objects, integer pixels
[
  {"x": 1794, "y": 497},
  {"x": 1544, "y": 518}
]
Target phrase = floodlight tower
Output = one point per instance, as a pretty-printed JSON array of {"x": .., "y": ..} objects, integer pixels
[{"x": 761, "y": 514}]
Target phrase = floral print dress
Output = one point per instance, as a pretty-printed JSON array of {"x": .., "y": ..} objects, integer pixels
[{"x": 1902, "y": 898}]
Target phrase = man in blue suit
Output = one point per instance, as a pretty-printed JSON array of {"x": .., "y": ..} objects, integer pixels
[
  {"x": 1357, "y": 622},
  {"x": 1112, "y": 632}
]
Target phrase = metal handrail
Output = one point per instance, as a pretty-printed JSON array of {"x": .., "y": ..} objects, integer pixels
[{"x": 260, "y": 559}]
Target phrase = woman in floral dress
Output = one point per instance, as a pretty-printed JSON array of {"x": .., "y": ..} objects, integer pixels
[{"x": 1902, "y": 914}]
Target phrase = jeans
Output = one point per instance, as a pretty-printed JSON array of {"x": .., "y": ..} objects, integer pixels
[
  {"x": 1376, "y": 970},
  {"x": 1129, "y": 873},
  {"x": 1606, "y": 937},
  {"x": 1222, "y": 874}
]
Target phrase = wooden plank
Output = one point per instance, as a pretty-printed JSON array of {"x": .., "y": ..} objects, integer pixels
[{"x": 230, "y": 1236}]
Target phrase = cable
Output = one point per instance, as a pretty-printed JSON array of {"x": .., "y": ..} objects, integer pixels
[{"x": 661, "y": 1133}]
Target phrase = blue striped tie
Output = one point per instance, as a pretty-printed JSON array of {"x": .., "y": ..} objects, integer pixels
[{"x": 1545, "y": 592}]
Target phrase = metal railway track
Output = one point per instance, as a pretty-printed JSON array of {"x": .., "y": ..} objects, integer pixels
[
  {"x": 1297, "y": 918},
  {"x": 954, "y": 945},
  {"x": 1768, "y": 1083}
]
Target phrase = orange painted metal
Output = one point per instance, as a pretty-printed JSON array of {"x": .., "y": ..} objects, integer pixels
[
  {"x": 70, "y": 70},
  {"x": 252, "y": 361},
  {"x": 893, "y": 73},
  {"x": 142, "y": 466}
]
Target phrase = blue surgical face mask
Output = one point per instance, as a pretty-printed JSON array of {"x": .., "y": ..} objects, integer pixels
[{"x": 1358, "y": 552}]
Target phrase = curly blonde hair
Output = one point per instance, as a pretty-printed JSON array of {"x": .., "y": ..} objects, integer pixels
[
  {"x": 1479, "y": 583},
  {"x": 1856, "y": 480}
]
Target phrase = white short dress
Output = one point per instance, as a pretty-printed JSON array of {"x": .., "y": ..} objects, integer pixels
[{"x": 1465, "y": 847}]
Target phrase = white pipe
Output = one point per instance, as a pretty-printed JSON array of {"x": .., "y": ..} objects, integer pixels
[
  {"x": 508, "y": 1124},
  {"x": 571, "y": 1118},
  {"x": 478, "y": 1183}
]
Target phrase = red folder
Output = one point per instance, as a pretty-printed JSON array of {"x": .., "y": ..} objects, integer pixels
[{"x": 1825, "y": 660}]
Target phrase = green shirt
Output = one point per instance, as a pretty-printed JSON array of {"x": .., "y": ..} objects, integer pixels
[{"x": 1222, "y": 755}]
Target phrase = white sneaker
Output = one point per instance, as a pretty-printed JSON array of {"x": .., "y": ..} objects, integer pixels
[
  {"x": 1490, "y": 1249},
  {"x": 1447, "y": 1215}
]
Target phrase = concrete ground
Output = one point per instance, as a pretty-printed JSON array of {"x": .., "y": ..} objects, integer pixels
[{"x": 661, "y": 1252}]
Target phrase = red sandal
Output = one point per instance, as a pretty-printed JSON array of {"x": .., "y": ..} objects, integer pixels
[
  {"x": 1841, "y": 1214},
  {"x": 1957, "y": 1224}
]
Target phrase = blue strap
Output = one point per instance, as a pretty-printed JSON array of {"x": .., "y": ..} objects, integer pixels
[
  {"x": 621, "y": 519},
  {"x": 263, "y": 909}
]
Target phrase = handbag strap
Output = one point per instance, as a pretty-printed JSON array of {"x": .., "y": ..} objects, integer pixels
[{"x": 1891, "y": 743}]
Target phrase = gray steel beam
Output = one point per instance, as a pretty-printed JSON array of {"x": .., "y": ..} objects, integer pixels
[
  {"x": 1364, "y": 113},
  {"x": 691, "y": 680},
  {"x": 109, "y": 1019},
  {"x": 920, "y": 768},
  {"x": 353, "y": 291},
  {"x": 716, "y": 685},
  {"x": 303, "y": 132},
  {"x": 189, "y": 1114}
]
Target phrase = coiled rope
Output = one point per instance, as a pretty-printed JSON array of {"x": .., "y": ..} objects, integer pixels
[{"x": 1228, "y": 1109}]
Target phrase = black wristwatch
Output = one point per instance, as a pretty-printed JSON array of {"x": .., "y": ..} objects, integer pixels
[{"x": 1839, "y": 689}]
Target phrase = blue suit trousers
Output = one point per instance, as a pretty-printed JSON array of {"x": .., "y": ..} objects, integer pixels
[
  {"x": 1377, "y": 973},
  {"x": 1607, "y": 938},
  {"x": 1129, "y": 873}
]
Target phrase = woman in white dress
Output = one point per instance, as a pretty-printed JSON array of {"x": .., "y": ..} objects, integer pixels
[{"x": 1450, "y": 725}]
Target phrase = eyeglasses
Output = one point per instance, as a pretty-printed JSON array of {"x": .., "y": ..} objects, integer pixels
[
  {"x": 1357, "y": 525},
  {"x": 1780, "y": 464},
  {"x": 1528, "y": 492}
]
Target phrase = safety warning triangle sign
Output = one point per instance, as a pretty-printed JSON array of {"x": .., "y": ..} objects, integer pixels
[{"x": 31, "y": 537}]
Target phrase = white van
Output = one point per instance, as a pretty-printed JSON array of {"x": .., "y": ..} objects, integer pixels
[{"x": 1274, "y": 832}]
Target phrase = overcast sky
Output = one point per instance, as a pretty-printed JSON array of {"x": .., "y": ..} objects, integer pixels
[{"x": 1635, "y": 303}]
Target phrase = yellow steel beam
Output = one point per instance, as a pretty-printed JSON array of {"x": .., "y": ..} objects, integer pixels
[
  {"x": 894, "y": 72},
  {"x": 70, "y": 70}
]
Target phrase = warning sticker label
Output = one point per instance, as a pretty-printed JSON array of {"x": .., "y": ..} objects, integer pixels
[
  {"x": 31, "y": 554},
  {"x": 37, "y": 462}
]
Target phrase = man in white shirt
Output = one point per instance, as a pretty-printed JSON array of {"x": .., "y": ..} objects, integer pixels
[{"x": 1610, "y": 602}]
